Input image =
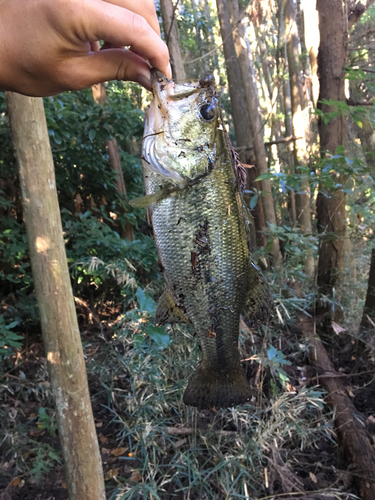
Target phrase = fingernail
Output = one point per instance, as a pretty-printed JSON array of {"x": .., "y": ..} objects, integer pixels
[
  {"x": 144, "y": 79},
  {"x": 168, "y": 73}
]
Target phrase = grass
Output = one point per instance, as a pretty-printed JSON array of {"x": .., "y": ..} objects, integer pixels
[{"x": 152, "y": 445}]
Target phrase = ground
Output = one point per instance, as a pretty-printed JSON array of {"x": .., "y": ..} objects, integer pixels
[{"x": 152, "y": 446}]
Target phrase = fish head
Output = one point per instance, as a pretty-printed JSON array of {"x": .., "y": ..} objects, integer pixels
[{"x": 180, "y": 129}]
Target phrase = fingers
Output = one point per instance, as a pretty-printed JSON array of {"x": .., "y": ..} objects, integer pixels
[
  {"x": 144, "y": 8},
  {"x": 111, "y": 64},
  {"x": 122, "y": 27}
]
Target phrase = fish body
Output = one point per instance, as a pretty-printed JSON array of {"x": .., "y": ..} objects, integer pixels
[{"x": 200, "y": 227}]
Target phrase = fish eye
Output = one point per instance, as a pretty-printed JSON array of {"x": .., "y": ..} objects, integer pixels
[{"x": 208, "y": 112}]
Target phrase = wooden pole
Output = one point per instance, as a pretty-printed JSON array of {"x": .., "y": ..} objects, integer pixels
[{"x": 61, "y": 335}]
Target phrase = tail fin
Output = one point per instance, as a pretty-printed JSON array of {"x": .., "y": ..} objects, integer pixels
[{"x": 209, "y": 387}]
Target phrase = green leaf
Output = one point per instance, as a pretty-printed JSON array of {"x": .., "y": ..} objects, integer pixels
[
  {"x": 12, "y": 325},
  {"x": 271, "y": 353},
  {"x": 253, "y": 202},
  {"x": 92, "y": 134},
  {"x": 145, "y": 302},
  {"x": 158, "y": 336},
  {"x": 266, "y": 176}
]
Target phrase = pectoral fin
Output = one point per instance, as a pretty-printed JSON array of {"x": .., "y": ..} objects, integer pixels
[
  {"x": 167, "y": 310},
  {"x": 259, "y": 302},
  {"x": 146, "y": 201}
]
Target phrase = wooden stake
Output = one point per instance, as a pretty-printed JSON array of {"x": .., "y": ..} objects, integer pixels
[{"x": 61, "y": 335}]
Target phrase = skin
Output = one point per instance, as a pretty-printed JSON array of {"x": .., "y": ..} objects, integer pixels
[{"x": 47, "y": 47}]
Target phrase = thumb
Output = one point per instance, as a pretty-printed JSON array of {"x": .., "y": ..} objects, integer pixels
[{"x": 111, "y": 64}]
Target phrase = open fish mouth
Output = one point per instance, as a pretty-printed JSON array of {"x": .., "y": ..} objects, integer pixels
[{"x": 178, "y": 116}]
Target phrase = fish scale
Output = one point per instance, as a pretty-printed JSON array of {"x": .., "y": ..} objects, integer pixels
[{"x": 201, "y": 236}]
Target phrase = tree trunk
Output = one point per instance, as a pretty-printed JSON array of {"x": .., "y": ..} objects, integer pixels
[
  {"x": 100, "y": 97},
  {"x": 168, "y": 13},
  {"x": 368, "y": 317},
  {"x": 204, "y": 5},
  {"x": 237, "y": 56},
  {"x": 61, "y": 336},
  {"x": 251, "y": 100},
  {"x": 333, "y": 23},
  {"x": 287, "y": 101},
  {"x": 355, "y": 440},
  {"x": 203, "y": 67},
  {"x": 312, "y": 38},
  {"x": 300, "y": 126}
]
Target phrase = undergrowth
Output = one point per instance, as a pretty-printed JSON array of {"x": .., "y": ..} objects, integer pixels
[{"x": 152, "y": 445}]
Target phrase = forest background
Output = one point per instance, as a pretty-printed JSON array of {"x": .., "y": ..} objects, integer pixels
[{"x": 309, "y": 158}]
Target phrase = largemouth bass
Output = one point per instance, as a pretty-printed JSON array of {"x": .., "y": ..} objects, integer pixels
[{"x": 201, "y": 229}]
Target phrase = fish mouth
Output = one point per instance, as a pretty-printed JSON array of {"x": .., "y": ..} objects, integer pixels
[{"x": 164, "y": 149}]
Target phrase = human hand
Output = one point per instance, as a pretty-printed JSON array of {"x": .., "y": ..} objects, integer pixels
[{"x": 48, "y": 46}]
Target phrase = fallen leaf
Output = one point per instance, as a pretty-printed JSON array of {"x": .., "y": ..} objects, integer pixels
[
  {"x": 313, "y": 477},
  {"x": 111, "y": 473},
  {"x": 118, "y": 451},
  {"x": 180, "y": 443},
  {"x": 102, "y": 438},
  {"x": 371, "y": 419},
  {"x": 98, "y": 424},
  {"x": 31, "y": 416},
  {"x": 15, "y": 481},
  {"x": 105, "y": 451},
  {"x": 36, "y": 432},
  {"x": 337, "y": 328},
  {"x": 136, "y": 476}
]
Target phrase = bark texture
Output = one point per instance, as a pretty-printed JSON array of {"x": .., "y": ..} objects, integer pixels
[
  {"x": 333, "y": 24},
  {"x": 301, "y": 125},
  {"x": 246, "y": 76},
  {"x": 168, "y": 13},
  {"x": 243, "y": 66},
  {"x": 368, "y": 318},
  {"x": 61, "y": 335},
  {"x": 287, "y": 102},
  {"x": 100, "y": 97},
  {"x": 355, "y": 441}
]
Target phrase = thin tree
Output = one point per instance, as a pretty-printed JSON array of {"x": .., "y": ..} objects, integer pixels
[
  {"x": 168, "y": 14},
  {"x": 312, "y": 37},
  {"x": 287, "y": 104},
  {"x": 100, "y": 97},
  {"x": 368, "y": 317},
  {"x": 234, "y": 57},
  {"x": 204, "y": 67},
  {"x": 250, "y": 93},
  {"x": 333, "y": 23},
  {"x": 62, "y": 341},
  {"x": 301, "y": 125}
]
